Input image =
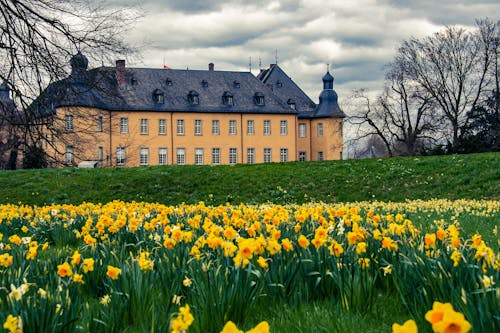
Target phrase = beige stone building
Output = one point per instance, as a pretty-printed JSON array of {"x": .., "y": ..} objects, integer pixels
[{"x": 119, "y": 116}]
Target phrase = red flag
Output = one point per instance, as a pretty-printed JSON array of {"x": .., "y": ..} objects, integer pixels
[{"x": 166, "y": 67}]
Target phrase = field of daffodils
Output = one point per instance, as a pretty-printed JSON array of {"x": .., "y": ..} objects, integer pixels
[{"x": 145, "y": 267}]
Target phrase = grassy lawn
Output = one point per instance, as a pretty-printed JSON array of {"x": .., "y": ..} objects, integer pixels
[{"x": 475, "y": 176}]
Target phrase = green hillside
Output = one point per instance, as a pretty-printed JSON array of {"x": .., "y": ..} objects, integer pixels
[{"x": 475, "y": 176}]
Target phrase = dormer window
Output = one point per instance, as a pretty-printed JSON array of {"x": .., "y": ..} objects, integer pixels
[
  {"x": 158, "y": 97},
  {"x": 168, "y": 82},
  {"x": 227, "y": 98},
  {"x": 204, "y": 83},
  {"x": 291, "y": 104},
  {"x": 133, "y": 81},
  {"x": 259, "y": 98},
  {"x": 193, "y": 98},
  {"x": 236, "y": 84},
  {"x": 279, "y": 84}
]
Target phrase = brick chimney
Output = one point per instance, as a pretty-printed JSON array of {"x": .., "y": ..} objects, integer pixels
[
  {"x": 211, "y": 66},
  {"x": 120, "y": 72}
]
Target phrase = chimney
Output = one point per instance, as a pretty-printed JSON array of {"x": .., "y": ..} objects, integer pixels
[
  {"x": 211, "y": 66},
  {"x": 120, "y": 72}
]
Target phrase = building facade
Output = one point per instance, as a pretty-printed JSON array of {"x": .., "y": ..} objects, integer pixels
[{"x": 123, "y": 116}]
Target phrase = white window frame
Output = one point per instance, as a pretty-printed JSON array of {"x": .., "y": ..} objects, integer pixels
[
  {"x": 283, "y": 155},
  {"x": 162, "y": 126},
  {"x": 143, "y": 156},
  {"x": 250, "y": 127},
  {"x": 180, "y": 156},
  {"x": 267, "y": 127},
  {"x": 100, "y": 153},
  {"x": 233, "y": 127},
  {"x": 69, "y": 155},
  {"x": 69, "y": 125},
  {"x": 215, "y": 127},
  {"x": 180, "y": 128},
  {"x": 250, "y": 155},
  {"x": 233, "y": 155},
  {"x": 198, "y": 156},
  {"x": 302, "y": 130},
  {"x": 144, "y": 126},
  {"x": 321, "y": 156},
  {"x": 216, "y": 156},
  {"x": 162, "y": 156},
  {"x": 121, "y": 156},
  {"x": 198, "y": 127},
  {"x": 320, "y": 129},
  {"x": 123, "y": 125},
  {"x": 283, "y": 127},
  {"x": 268, "y": 155}
]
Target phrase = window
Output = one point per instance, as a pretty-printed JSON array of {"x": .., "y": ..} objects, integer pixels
[
  {"x": 99, "y": 124},
  {"x": 340, "y": 129},
  {"x": 302, "y": 155},
  {"x": 340, "y": 156},
  {"x": 302, "y": 130},
  {"x": 250, "y": 155},
  {"x": 320, "y": 156},
  {"x": 144, "y": 156},
  {"x": 204, "y": 83},
  {"x": 68, "y": 123},
  {"x": 227, "y": 98},
  {"x": 267, "y": 155},
  {"x": 134, "y": 81},
  {"x": 193, "y": 98},
  {"x": 267, "y": 127},
  {"x": 283, "y": 154},
  {"x": 291, "y": 103},
  {"x": 250, "y": 127},
  {"x": 158, "y": 97},
  {"x": 236, "y": 84},
  {"x": 123, "y": 125},
  {"x": 279, "y": 84},
  {"x": 180, "y": 126},
  {"x": 162, "y": 156},
  {"x": 168, "y": 82},
  {"x": 259, "y": 99},
  {"x": 215, "y": 155},
  {"x": 233, "y": 155},
  {"x": 198, "y": 126},
  {"x": 283, "y": 127},
  {"x": 162, "y": 126},
  {"x": 120, "y": 156},
  {"x": 100, "y": 153},
  {"x": 320, "y": 129},
  {"x": 70, "y": 155},
  {"x": 232, "y": 127},
  {"x": 198, "y": 156},
  {"x": 144, "y": 126},
  {"x": 215, "y": 127},
  {"x": 181, "y": 156}
]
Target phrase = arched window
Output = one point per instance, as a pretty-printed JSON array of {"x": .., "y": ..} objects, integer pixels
[
  {"x": 168, "y": 82},
  {"x": 158, "y": 97},
  {"x": 204, "y": 83},
  {"x": 227, "y": 98},
  {"x": 259, "y": 98},
  {"x": 193, "y": 98},
  {"x": 291, "y": 103}
]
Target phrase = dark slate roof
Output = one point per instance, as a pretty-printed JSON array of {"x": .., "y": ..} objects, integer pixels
[
  {"x": 99, "y": 88},
  {"x": 285, "y": 88},
  {"x": 328, "y": 106}
]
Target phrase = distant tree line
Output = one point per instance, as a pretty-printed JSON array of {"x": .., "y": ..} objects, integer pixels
[{"x": 441, "y": 95}]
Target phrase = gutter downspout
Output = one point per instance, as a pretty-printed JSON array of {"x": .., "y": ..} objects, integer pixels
[
  {"x": 241, "y": 134},
  {"x": 172, "y": 137},
  {"x": 110, "y": 141}
]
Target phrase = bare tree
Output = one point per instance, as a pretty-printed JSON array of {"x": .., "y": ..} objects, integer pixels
[
  {"x": 37, "y": 39},
  {"x": 452, "y": 67}
]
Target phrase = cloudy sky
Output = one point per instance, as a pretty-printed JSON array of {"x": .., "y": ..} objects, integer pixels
[{"x": 356, "y": 37}]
